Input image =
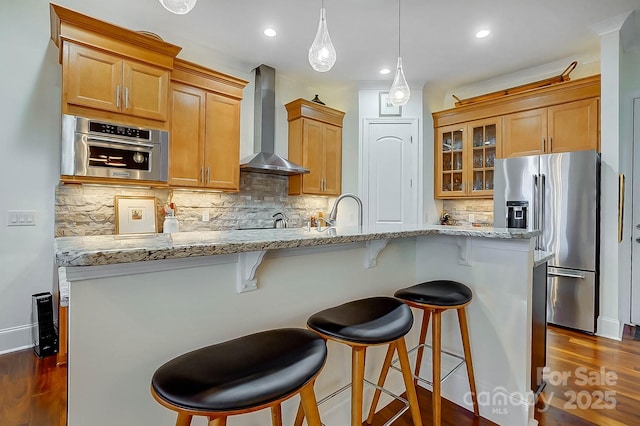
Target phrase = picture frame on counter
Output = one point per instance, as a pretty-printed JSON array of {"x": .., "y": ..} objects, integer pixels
[
  {"x": 135, "y": 215},
  {"x": 387, "y": 109}
]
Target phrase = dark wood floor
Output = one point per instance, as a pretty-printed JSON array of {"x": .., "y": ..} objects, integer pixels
[{"x": 601, "y": 387}]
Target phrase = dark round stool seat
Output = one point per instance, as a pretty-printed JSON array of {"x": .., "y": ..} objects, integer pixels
[
  {"x": 374, "y": 320},
  {"x": 246, "y": 372},
  {"x": 437, "y": 293}
]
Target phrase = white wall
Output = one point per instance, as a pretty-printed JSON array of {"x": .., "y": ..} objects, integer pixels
[
  {"x": 29, "y": 164},
  {"x": 629, "y": 90},
  {"x": 29, "y": 170}
]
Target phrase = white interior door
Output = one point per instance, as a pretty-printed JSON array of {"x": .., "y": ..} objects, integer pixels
[
  {"x": 391, "y": 154},
  {"x": 635, "y": 247}
]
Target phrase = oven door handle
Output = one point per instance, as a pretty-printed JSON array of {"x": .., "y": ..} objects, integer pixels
[{"x": 118, "y": 141}]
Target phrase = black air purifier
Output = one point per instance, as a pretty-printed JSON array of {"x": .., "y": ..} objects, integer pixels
[{"x": 45, "y": 336}]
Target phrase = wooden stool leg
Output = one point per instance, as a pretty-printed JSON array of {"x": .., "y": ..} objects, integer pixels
[
  {"x": 401, "y": 346},
  {"x": 183, "y": 419},
  {"x": 310, "y": 406},
  {"x": 383, "y": 377},
  {"x": 436, "y": 347},
  {"x": 299, "y": 414},
  {"x": 426, "y": 315},
  {"x": 218, "y": 421},
  {"x": 464, "y": 331},
  {"x": 357, "y": 383},
  {"x": 276, "y": 415}
]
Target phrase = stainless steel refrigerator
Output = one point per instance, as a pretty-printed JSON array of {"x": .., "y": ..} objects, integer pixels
[{"x": 560, "y": 195}]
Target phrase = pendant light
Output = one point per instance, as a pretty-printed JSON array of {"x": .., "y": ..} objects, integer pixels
[
  {"x": 179, "y": 7},
  {"x": 322, "y": 54},
  {"x": 399, "y": 92}
]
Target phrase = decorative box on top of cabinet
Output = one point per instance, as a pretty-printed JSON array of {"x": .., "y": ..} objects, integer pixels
[
  {"x": 464, "y": 159},
  {"x": 205, "y": 128},
  {"x": 315, "y": 142},
  {"x": 110, "y": 72}
]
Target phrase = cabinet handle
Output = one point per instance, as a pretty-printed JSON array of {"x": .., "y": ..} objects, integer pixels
[
  {"x": 544, "y": 143},
  {"x": 126, "y": 98},
  {"x": 201, "y": 174},
  {"x": 118, "y": 96},
  {"x": 208, "y": 174},
  {"x": 550, "y": 143}
]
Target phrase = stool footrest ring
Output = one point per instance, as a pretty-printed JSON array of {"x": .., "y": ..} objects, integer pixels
[
  {"x": 381, "y": 389},
  {"x": 422, "y": 379}
]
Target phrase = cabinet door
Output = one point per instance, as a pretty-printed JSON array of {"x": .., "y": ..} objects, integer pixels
[
  {"x": 449, "y": 162},
  {"x": 222, "y": 143},
  {"x": 332, "y": 159},
  {"x": 186, "y": 144},
  {"x": 525, "y": 133},
  {"x": 574, "y": 126},
  {"x": 92, "y": 78},
  {"x": 313, "y": 157},
  {"x": 484, "y": 144},
  {"x": 145, "y": 91}
]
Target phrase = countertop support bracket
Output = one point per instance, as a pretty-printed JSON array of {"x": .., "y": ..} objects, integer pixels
[
  {"x": 464, "y": 253},
  {"x": 373, "y": 250},
  {"x": 248, "y": 263}
]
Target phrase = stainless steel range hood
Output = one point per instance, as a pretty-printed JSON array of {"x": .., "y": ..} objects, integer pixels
[{"x": 266, "y": 160}]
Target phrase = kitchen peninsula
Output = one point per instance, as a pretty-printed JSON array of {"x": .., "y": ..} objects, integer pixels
[{"x": 135, "y": 303}]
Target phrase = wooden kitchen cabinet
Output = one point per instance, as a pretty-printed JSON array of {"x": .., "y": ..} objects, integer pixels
[
  {"x": 556, "y": 118},
  {"x": 464, "y": 159},
  {"x": 204, "y": 150},
  {"x": 315, "y": 142},
  {"x": 99, "y": 80},
  {"x": 571, "y": 126},
  {"x": 110, "y": 72}
]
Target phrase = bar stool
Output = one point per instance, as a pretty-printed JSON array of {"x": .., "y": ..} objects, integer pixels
[
  {"x": 243, "y": 375},
  {"x": 361, "y": 324},
  {"x": 433, "y": 298}
]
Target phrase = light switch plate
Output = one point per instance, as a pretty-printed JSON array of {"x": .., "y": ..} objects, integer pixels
[
  {"x": 205, "y": 216},
  {"x": 472, "y": 218},
  {"x": 21, "y": 218}
]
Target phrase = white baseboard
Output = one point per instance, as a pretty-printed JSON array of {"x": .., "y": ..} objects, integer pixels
[
  {"x": 610, "y": 328},
  {"x": 16, "y": 338}
]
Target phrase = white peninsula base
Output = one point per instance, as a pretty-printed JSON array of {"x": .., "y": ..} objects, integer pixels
[{"x": 125, "y": 320}]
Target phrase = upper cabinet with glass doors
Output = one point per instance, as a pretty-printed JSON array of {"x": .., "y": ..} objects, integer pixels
[
  {"x": 465, "y": 155},
  {"x": 560, "y": 117}
]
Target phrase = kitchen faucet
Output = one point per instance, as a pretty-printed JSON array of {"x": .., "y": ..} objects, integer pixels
[{"x": 334, "y": 211}]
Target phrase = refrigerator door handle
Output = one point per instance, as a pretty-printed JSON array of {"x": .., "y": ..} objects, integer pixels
[
  {"x": 543, "y": 189},
  {"x": 566, "y": 274},
  {"x": 534, "y": 207}
]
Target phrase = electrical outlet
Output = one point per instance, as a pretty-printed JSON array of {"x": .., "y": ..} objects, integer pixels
[
  {"x": 21, "y": 218},
  {"x": 205, "y": 216},
  {"x": 472, "y": 218}
]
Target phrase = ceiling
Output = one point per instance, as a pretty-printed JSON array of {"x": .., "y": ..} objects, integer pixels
[{"x": 438, "y": 46}]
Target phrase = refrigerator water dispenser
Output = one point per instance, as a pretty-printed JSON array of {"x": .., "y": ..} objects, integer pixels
[{"x": 517, "y": 214}]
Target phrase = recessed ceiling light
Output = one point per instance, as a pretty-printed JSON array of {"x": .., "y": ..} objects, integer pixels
[
  {"x": 385, "y": 71},
  {"x": 270, "y": 32},
  {"x": 483, "y": 33}
]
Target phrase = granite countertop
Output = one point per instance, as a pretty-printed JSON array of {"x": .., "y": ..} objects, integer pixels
[
  {"x": 111, "y": 249},
  {"x": 541, "y": 256}
]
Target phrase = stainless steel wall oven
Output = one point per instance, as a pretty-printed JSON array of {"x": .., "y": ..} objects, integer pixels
[{"x": 104, "y": 149}]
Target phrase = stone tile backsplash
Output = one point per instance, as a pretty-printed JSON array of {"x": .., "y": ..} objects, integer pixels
[
  {"x": 89, "y": 209},
  {"x": 482, "y": 210}
]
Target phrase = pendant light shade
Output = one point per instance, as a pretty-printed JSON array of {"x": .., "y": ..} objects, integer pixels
[
  {"x": 179, "y": 7},
  {"x": 399, "y": 92},
  {"x": 322, "y": 54}
]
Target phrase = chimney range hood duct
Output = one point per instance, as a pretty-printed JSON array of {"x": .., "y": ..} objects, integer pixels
[{"x": 267, "y": 161}]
